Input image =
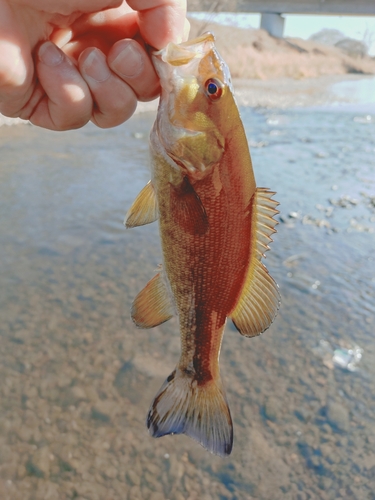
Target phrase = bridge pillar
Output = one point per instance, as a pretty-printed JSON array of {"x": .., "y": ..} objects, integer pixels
[{"x": 273, "y": 23}]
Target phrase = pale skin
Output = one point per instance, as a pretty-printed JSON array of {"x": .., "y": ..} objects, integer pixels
[{"x": 66, "y": 62}]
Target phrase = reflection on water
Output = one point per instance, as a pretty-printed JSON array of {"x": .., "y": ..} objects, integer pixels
[{"x": 78, "y": 377}]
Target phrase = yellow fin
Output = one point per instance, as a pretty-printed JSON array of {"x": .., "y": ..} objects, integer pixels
[
  {"x": 152, "y": 306},
  {"x": 258, "y": 304},
  {"x": 144, "y": 209},
  {"x": 260, "y": 297}
]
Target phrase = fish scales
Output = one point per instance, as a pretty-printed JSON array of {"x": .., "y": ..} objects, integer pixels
[{"x": 214, "y": 227}]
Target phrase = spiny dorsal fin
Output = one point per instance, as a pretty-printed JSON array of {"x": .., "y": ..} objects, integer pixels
[
  {"x": 264, "y": 210},
  {"x": 144, "y": 209},
  {"x": 260, "y": 297},
  {"x": 152, "y": 306}
]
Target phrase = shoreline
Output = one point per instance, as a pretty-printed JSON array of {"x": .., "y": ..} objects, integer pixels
[{"x": 283, "y": 93}]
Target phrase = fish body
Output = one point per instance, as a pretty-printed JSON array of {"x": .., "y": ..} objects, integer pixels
[{"x": 215, "y": 226}]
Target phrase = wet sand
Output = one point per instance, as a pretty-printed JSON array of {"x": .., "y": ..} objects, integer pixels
[{"x": 78, "y": 377}]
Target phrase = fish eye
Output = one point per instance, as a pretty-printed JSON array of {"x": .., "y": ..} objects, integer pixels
[{"x": 214, "y": 89}]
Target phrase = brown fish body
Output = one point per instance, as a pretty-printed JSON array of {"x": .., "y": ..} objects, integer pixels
[
  {"x": 206, "y": 265},
  {"x": 214, "y": 228}
]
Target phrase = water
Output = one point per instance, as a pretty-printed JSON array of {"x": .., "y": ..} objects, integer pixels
[{"x": 78, "y": 377}]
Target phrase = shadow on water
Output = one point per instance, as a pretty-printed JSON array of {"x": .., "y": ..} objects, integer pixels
[{"x": 78, "y": 377}]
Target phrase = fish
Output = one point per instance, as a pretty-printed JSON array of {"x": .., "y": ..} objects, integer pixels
[{"x": 215, "y": 226}]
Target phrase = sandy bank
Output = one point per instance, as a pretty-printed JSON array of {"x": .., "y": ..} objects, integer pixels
[{"x": 255, "y": 54}]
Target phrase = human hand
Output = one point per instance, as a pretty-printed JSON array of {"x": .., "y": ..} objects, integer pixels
[{"x": 95, "y": 64}]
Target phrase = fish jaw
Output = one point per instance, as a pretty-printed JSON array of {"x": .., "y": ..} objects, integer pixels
[{"x": 190, "y": 136}]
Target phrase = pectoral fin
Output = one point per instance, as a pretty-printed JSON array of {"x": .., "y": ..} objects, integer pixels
[
  {"x": 188, "y": 208},
  {"x": 260, "y": 297},
  {"x": 144, "y": 209},
  {"x": 152, "y": 306}
]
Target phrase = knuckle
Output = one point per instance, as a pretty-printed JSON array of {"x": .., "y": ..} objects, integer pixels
[
  {"x": 113, "y": 116},
  {"x": 71, "y": 122}
]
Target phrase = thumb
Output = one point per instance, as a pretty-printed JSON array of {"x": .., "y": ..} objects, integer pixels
[{"x": 16, "y": 64}]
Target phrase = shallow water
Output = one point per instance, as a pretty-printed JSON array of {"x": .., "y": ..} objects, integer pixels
[{"x": 78, "y": 377}]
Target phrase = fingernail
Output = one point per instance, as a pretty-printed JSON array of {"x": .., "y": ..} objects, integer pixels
[
  {"x": 49, "y": 54},
  {"x": 95, "y": 66},
  {"x": 129, "y": 62}
]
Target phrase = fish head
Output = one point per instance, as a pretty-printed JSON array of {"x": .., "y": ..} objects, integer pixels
[{"x": 196, "y": 104}]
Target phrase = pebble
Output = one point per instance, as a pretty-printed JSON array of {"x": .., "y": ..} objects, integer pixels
[
  {"x": 338, "y": 417},
  {"x": 133, "y": 478},
  {"x": 76, "y": 395},
  {"x": 303, "y": 414},
  {"x": 272, "y": 409}
]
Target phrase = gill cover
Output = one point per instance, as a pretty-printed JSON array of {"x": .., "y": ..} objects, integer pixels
[{"x": 194, "y": 80}]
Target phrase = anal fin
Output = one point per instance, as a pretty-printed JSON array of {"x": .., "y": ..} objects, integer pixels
[
  {"x": 152, "y": 306},
  {"x": 258, "y": 304},
  {"x": 144, "y": 209}
]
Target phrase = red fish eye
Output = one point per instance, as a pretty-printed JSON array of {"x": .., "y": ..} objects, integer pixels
[{"x": 214, "y": 89}]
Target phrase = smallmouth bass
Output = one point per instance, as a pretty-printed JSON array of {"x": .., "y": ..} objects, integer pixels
[{"x": 215, "y": 226}]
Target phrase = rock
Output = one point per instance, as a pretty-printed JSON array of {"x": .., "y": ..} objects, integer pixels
[
  {"x": 330, "y": 453},
  {"x": 5, "y": 454},
  {"x": 157, "y": 496},
  {"x": 77, "y": 394},
  {"x": 272, "y": 409},
  {"x": 133, "y": 478},
  {"x": 338, "y": 417},
  {"x": 33, "y": 470},
  {"x": 111, "y": 472},
  {"x": 303, "y": 414},
  {"x": 48, "y": 491},
  {"x": 99, "y": 416}
]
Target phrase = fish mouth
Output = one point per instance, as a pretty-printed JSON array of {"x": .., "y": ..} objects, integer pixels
[{"x": 180, "y": 54}]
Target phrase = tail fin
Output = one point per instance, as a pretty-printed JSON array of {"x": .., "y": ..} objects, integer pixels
[{"x": 182, "y": 406}]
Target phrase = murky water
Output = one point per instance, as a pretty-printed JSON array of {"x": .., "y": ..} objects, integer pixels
[{"x": 78, "y": 377}]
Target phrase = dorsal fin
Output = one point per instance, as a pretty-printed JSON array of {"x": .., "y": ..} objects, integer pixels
[
  {"x": 152, "y": 306},
  {"x": 264, "y": 210},
  {"x": 144, "y": 209},
  {"x": 260, "y": 299}
]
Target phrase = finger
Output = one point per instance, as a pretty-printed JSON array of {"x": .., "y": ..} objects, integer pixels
[
  {"x": 67, "y": 102},
  {"x": 65, "y": 7},
  {"x": 167, "y": 15},
  {"x": 114, "y": 24},
  {"x": 16, "y": 65},
  {"x": 131, "y": 63},
  {"x": 115, "y": 101},
  {"x": 74, "y": 48}
]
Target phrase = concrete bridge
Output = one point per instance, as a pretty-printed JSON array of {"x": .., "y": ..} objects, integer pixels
[{"x": 272, "y": 10}]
